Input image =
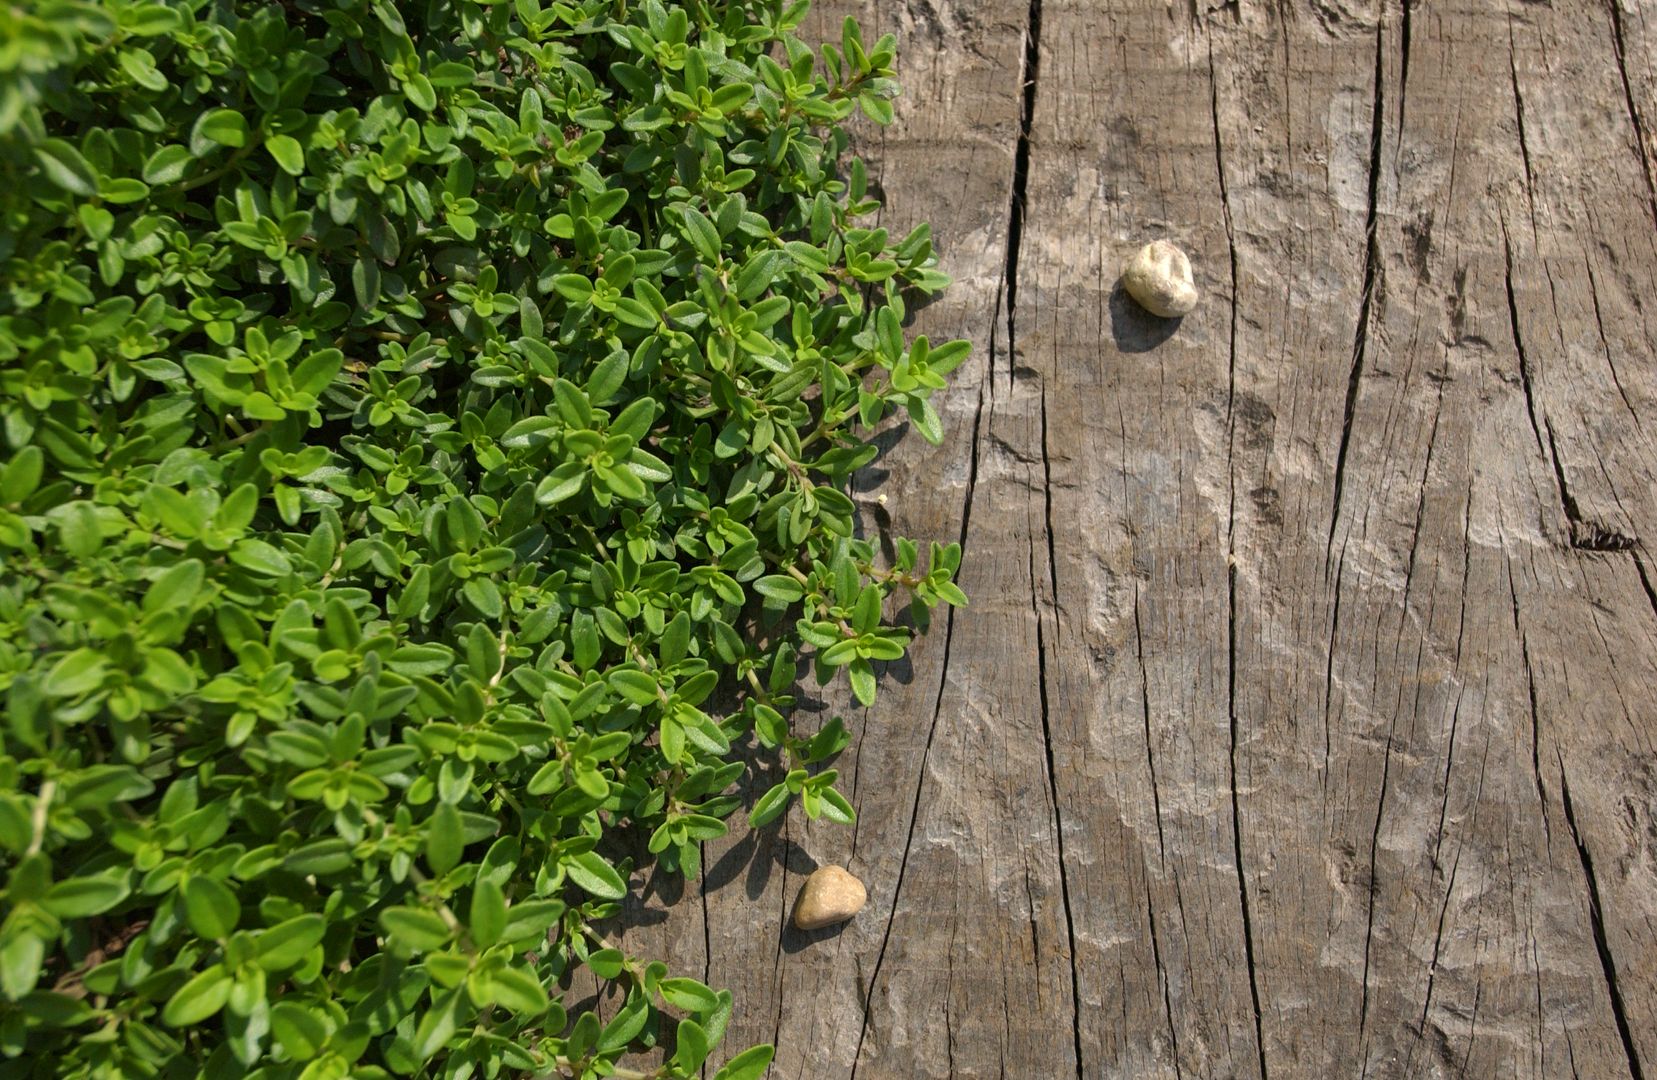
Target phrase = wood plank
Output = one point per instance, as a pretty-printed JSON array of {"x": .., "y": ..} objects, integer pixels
[
  {"x": 939, "y": 991},
  {"x": 1584, "y": 254},
  {"x": 1455, "y": 923},
  {"x": 969, "y": 972},
  {"x": 1583, "y": 276},
  {"x": 1129, "y": 423},
  {"x": 1297, "y": 728}
]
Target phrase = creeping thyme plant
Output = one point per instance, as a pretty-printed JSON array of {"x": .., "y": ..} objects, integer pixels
[{"x": 424, "y": 439}]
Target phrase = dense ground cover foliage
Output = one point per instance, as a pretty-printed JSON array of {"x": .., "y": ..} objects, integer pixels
[{"x": 425, "y": 430}]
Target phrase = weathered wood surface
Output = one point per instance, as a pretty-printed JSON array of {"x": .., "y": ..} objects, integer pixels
[{"x": 1303, "y": 721}]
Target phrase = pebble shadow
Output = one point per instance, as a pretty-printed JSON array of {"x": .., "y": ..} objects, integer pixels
[{"x": 1134, "y": 329}]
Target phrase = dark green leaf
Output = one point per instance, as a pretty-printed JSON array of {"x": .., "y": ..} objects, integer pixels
[{"x": 63, "y": 165}]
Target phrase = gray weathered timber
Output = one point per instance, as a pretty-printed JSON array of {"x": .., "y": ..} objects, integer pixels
[{"x": 1303, "y": 721}]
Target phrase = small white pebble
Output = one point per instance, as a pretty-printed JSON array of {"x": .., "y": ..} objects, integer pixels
[{"x": 1159, "y": 277}]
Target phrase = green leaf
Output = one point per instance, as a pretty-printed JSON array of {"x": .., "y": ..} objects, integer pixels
[
  {"x": 488, "y": 916},
  {"x": 150, "y": 20},
  {"x": 79, "y": 530},
  {"x": 288, "y": 153},
  {"x": 573, "y": 287},
  {"x": 416, "y": 928},
  {"x": 444, "y": 838},
  {"x": 780, "y": 587},
  {"x": 876, "y": 108},
  {"x": 49, "y": 1009},
  {"x": 926, "y": 421},
  {"x": 177, "y": 587},
  {"x": 21, "y": 956},
  {"x": 63, "y": 166},
  {"x": 76, "y": 673},
  {"x": 80, "y": 897},
  {"x": 437, "y": 1026},
  {"x": 701, "y": 234},
  {"x": 594, "y": 874},
  {"x": 167, "y": 165},
  {"x": 527, "y": 920},
  {"x": 317, "y": 371},
  {"x": 122, "y": 190},
  {"x": 634, "y": 421},
  {"x": 769, "y": 806},
  {"x": 419, "y": 90},
  {"x": 688, "y": 994},
  {"x": 221, "y": 127},
  {"x": 836, "y": 808},
  {"x": 691, "y": 1046},
  {"x": 212, "y": 908},
  {"x": 748, "y": 1065},
  {"x": 261, "y": 558},
  {"x": 98, "y": 786},
  {"x": 365, "y": 282},
  {"x": 626, "y": 1025},
  {"x": 635, "y": 686},
  {"x": 320, "y": 857},
  {"x": 607, "y": 963},
  {"x": 199, "y": 998},
  {"x": 675, "y": 639},
  {"x": 21, "y": 476},
  {"x": 287, "y": 943},
  {"x": 519, "y": 991},
  {"x": 300, "y": 1031},
  {"x": 862, "y": 680}
]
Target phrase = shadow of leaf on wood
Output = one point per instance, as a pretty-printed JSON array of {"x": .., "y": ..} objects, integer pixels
[
  {"x": 761, "y": 852},
  {"x": 1134, "y": 329},
  {"x": 758, "y": 853}
]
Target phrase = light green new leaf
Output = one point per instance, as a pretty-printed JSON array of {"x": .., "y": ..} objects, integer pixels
[
  {"x": 594, "y": 874},
  {"x": 199, "y": 998}
]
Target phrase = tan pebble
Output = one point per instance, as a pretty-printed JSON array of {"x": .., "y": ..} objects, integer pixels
[
  {"x": 830, "y": 895},
  {"x": 1159, "y": 277}
]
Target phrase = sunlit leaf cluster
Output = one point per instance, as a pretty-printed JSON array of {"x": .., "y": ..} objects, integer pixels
[{"x": 425, "y": 441}]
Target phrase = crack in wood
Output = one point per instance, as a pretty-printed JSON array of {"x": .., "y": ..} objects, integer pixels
[
  {"x": 1535, "y": 715},
  {"x": 1519, "y": 341},
  {"x": 1369, "y": 918},
  {"x": 1047, "y": 735},
  {"x": 1145, "y": 700},
  {"x": 1596, "y": 918},
  {"x": 981, "y": 407},
  {"x": 915, "y": 805},
  {"x": 1016, "y": 211},
  {"x": 1372, "y": 252},
  {"x": 1645, "y": 583},
  {"x": 1605, "y": 344},
  {"x": 1021, "y": 177},
  {"x": 1524, "y": 141},
  {"x": 1641, "y": 150},
  {"x": 1236, "y": 820},
  {"x": 1404, "y": 66},
  {"x": 1162, "y": 978},
  {"x": 1231, "y": 577}
]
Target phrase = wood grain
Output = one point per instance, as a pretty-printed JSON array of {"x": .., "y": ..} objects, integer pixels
[{"x": 1302, "y": 723}]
